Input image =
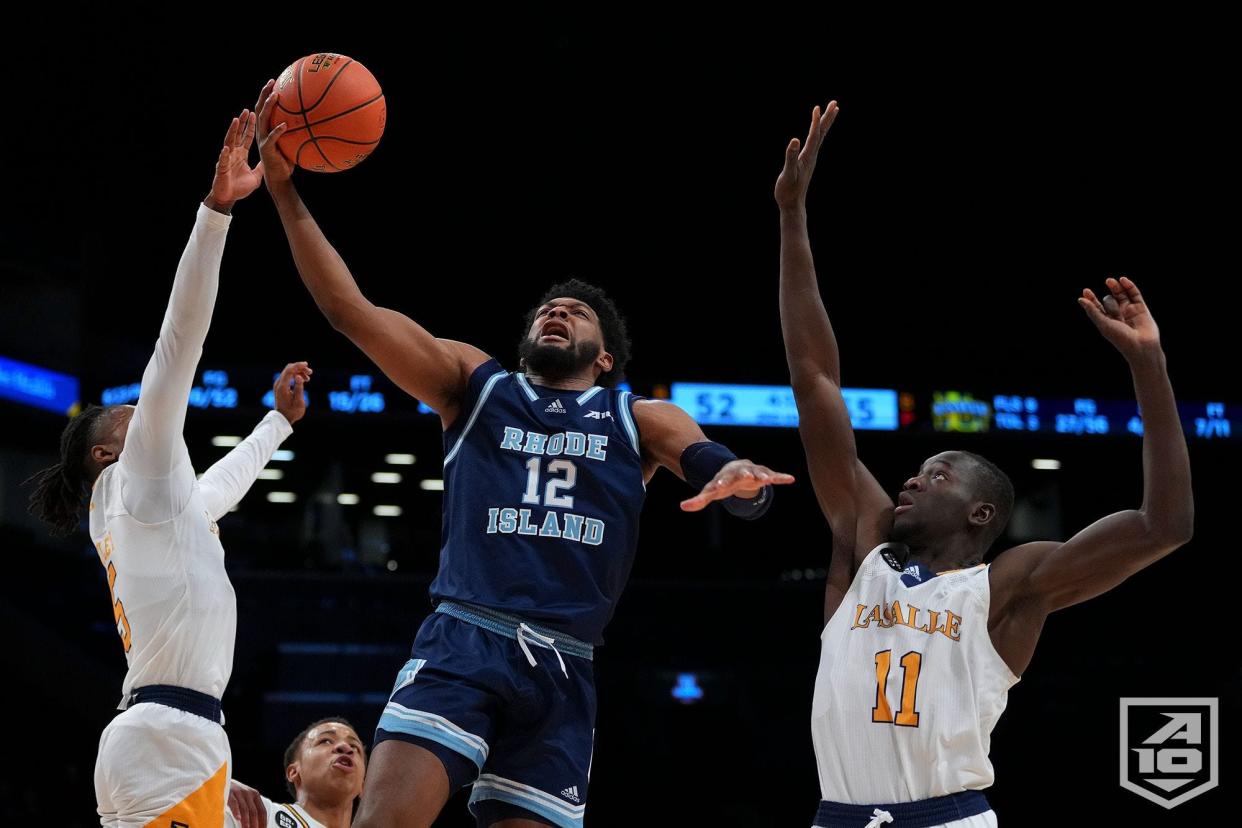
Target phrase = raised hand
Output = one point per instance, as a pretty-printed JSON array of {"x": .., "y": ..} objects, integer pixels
[
  {"x": 1122, "y": 317},
  {"x": 288, "y": 389},
  {"x": 796, "y": 176},
  {"x": 235, "y": 178},
  {"x": 276, "y": 168}
]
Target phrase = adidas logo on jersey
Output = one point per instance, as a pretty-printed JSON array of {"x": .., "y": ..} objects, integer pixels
[
  {"x": 555, "y": 408},
  {"x": 913, "y": 572},
  {"x": 598, "y": 415},
  {"x": 571, "y": 794}
]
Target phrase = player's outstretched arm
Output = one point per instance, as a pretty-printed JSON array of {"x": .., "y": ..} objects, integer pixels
[
  {"x": 673, "y": 440},
  {"x": 229, "y": 478},
  {"x": 857, "y": 508},
  {"x": 155, "y": 456},
  {"x": 1050, "y": 575},
  {"x": 433, "y": 370}
]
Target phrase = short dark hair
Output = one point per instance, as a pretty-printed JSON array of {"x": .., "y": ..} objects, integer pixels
[
  {"x": 611, "y": 323},
  {"x": 992, "y": 486},
  {"x": 60, "y": 488},
  {"x": 295, "y": 747}
]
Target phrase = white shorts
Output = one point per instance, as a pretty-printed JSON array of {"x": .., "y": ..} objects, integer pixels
[{"x": 157, "y": 762}]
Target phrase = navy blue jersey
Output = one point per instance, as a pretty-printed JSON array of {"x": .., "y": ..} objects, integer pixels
[{"x": 542, "y": 492}]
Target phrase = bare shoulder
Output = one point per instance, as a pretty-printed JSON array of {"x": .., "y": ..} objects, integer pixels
[
  {"x": 1010, "y": 571},
  {"x": 660, "y": 421},
  {"x": 659, "y": 411},
  {"x": 664, "y": 432}
]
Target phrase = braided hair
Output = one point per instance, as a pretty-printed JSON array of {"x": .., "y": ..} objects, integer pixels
[{"x": 59, "y": 489}]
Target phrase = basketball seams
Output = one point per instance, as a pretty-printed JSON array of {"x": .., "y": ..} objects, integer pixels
[
  {"x": 352, "y": 109},
  {"x": 348, "y": 141},
  {"x": 310, "y": 135},
  {"x": 304, "y": 113},
  {"x": 326, "y": 89}
]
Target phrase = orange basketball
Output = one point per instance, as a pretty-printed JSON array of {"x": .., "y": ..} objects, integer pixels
[{"x": 335, "y": 111}]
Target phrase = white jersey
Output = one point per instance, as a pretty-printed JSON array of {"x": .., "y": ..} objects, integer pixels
[
  {"x": 154, "y": 524},
  {"x": 909, "y": 687},
  {"x": 281, "y": 816}
]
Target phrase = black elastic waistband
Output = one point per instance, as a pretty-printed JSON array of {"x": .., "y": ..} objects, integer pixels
[
  {"x": 191, "y": 701},
  {"x": 921, "y": 814}
]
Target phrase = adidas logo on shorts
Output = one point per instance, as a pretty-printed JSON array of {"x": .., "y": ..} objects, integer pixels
[
  {"x": 571, "y": 794},
  {"x": 555, "y": 408}
]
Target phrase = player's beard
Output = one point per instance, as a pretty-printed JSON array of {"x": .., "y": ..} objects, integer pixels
[{"x": 556, "y": 361}]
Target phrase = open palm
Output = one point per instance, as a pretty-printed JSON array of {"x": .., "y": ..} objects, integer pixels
[{"x": 235, "y": 178}]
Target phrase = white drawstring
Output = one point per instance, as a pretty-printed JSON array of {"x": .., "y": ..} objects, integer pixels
[
  {"x": 540, "y": 641},
  {"x": 879, "y": 818}
]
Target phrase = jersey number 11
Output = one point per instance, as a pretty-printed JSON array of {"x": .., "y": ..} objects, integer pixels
[{"x": 906, "y": 716}]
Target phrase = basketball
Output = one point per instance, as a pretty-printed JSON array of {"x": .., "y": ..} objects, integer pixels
[{"x": 334, "y": 109}]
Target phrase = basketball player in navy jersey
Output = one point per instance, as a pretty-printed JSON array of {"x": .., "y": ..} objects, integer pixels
[
  {"x": 544, "y": 477},
  {"x": 923, "y": 641}
]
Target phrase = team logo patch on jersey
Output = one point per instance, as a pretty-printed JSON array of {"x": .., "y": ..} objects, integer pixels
[
  {"x": 895, "y": 555},
  {"x": 1169, "y": 748},
  {"x": 284, "y": 820},
  {"x": 598, "y": 415},
  {"x": 555, "y": 408}
]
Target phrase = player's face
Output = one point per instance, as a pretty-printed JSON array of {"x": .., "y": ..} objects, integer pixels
[
  {"x": 331, "y": 765},
  {"x": 565, "y": 338},
  {"x": 935, "y": 502},
  {"x": 564, "y": 322}
]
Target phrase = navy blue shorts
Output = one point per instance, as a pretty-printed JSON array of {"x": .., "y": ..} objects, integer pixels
[{"x": 526, "y": 731}]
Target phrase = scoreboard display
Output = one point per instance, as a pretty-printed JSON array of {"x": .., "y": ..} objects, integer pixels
[{"x": 371, "y": 395}]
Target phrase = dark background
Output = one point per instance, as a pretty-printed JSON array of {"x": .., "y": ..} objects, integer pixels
[{"x": 981, "y": 173}]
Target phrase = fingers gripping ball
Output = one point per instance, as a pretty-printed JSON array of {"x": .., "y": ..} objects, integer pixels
[{"x": 334, "y": 109}]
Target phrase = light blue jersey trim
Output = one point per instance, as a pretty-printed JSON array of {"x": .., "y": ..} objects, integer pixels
[
  {"x": 400, "y": 719},
  {"x": 507, "y": 625},
  {"x": 563, "y": 814},
  {"x": 530, "y": 392},
  {"x": 474, "y": 415},
  {"x": 627, "y": 420},
  {"x": 588, "y": 394}
]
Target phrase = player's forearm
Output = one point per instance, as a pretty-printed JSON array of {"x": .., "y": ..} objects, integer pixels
[
  {"x": 155, "y": 432},
  {"x": 1168, "y": 502},
  {"x": 228, "y": 480},
  {"x": 193, "y": 295},
  {"x": 321, "y": 268},
  {"x": 810, "y": 344}
]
